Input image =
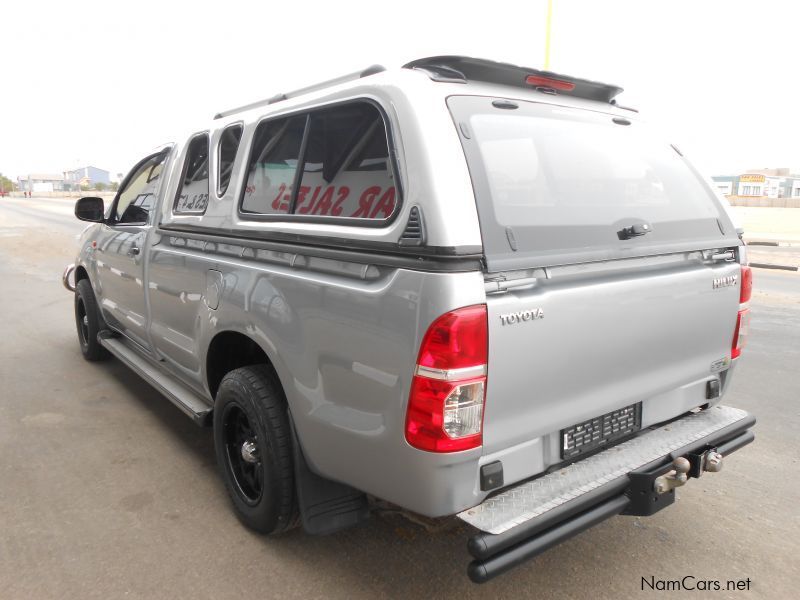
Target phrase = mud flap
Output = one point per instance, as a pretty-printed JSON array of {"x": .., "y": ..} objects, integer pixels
[{"x": 325, "y": 506}]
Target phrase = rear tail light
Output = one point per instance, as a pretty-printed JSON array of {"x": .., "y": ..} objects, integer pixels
[
  {"x": 740, "y": 333},
  {"x": 445, "y": 407},
  {"x": 743, "y": 318},
  {"x": 747, "y": 285}
]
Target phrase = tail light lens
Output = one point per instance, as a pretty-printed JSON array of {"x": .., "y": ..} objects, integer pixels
[
  {"x": 743, "y": 318},
  {"x": 747, "y": 285},
  {"x": 445, "y": 408},
  {"x": 740, "y": 333}
]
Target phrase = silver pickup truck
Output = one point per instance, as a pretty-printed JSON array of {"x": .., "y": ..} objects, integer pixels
[{"x": 460, "y": 287}]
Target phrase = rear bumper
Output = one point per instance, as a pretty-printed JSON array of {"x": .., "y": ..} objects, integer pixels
[{"x": 525, "y": 520}]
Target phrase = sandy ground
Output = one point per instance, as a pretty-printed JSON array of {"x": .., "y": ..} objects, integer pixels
[{"x": 779, "y": 224}]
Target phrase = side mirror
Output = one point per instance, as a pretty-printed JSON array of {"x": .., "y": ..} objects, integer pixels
[{"x": 90, "y": 209}]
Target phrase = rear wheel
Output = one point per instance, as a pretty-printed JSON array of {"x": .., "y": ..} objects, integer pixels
[
  {"x": 87, "y": 320},
  {"x": 253, "y": 447}
]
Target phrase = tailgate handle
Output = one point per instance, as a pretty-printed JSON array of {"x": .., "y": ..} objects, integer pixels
[
  {"x": 728, "y": 255},
  {"x": 634, "y": 231}
]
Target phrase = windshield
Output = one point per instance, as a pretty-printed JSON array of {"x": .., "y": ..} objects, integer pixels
[{"x": 560, "y": 184}]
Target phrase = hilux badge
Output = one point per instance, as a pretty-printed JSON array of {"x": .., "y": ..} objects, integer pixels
[
  {"x": 724, "y": 281},
  {"x": 522, "y": 315}
]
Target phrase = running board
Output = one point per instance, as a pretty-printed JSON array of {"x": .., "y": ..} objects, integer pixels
[{"x": 180, "y": 395}]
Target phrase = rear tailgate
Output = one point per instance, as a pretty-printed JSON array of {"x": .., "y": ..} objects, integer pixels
[
  {"x": 586, "y": 342},
  {"x": 621, "y": 305}
]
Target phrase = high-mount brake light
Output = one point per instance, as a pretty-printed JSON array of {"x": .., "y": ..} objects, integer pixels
[
  {"x": 743, "y": 317},
  {"x": 556, "y": 84},
  {"x": 445, "y": 407}
]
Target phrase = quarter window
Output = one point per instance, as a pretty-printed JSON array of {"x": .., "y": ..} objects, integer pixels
[
  {"x": 345, "y": 170},
  {"x": 192, "y": 195},
  {"x": 228, "y": 146}
]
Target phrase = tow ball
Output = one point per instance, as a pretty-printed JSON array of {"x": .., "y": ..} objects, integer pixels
[
  {"x": 674, "y": 478},
  {"x": 683, "y": 468}
]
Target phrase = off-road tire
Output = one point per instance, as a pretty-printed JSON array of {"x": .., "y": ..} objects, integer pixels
[
  {"x": 88, "y": 322},
  {"x": 250, "y": 399}
]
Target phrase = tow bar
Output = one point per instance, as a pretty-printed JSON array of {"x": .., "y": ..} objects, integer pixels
[
  {"x": 523, "y": 521},
  {"x": 694, "y": 466}
]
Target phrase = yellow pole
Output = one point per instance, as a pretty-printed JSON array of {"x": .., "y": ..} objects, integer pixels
[{"x": 547, "y": 35}]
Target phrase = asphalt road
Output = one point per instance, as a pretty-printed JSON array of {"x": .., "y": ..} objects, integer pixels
[{"x": 107, "y": 490}]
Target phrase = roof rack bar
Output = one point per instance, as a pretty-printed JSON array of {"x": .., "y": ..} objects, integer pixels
[{"x": 371, "y": 70}]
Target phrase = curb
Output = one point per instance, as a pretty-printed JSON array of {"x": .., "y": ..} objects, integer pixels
[
  {"x": 771, "y": 266},
  {"x": 771, "y": 243}
]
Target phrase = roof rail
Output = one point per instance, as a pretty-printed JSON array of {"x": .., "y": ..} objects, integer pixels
[
  {"x": 371, "y": 70},
  {"x": 461, "y": 69}
]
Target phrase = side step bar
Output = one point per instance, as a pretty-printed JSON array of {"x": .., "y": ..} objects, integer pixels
[{"x": 181, "y": 396}]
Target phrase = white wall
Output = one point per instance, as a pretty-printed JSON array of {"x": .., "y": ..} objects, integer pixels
[{"x": 772, "y": 185}]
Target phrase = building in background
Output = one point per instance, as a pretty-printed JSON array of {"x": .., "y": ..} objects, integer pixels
[
  {"x": 41, "y": 182},
  {"x": 752, "y": 184},
  {"x": 770, "y": 183},
  {"x": 727, "y": 184},
  {"x": 86, "y": 176}
]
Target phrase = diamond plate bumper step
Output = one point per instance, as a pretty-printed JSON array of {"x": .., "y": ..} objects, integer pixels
[{"x": 523, "y": 521}]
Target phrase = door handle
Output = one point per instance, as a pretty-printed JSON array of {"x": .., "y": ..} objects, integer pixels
[{"x": 636, "y": 230}]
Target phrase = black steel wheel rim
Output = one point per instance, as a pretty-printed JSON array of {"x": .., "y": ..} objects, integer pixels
[
  {"x": 83, "y": 323},
  {"x": 248, "y": 477}
]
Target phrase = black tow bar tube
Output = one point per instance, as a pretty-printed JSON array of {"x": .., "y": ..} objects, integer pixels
[{"x": 631, "y": 494}]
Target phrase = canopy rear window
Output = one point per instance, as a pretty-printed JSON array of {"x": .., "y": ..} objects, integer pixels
[{"x": 558, "y": 185}]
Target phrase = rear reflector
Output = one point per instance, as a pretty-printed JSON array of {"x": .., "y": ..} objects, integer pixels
[
  {"x": 556, "y": 84},
  {"x": 445, "y": 407},
  {"x": 740, "y": 333}
]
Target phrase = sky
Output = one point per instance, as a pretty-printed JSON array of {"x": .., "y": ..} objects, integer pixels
[{"x": 100, "y": 83}]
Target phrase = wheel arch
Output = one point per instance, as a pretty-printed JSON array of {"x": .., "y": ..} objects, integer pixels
[
  {"x": 81, "y": 273},
  {"x": 229, "y": 350}
]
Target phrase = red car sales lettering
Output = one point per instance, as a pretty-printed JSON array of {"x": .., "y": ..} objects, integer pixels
[{"x": 374, "y": 202}]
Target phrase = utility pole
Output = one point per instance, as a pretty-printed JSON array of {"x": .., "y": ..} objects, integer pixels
[{"x": 547, "y": 35}]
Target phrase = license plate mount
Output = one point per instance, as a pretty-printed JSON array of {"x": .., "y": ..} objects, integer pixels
[{"x": 585, "y": 437}]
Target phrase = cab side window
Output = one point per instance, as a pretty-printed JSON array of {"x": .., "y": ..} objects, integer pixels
[
  {"x": 192, "y": 195},
  {"x": 137, "y": 198}
]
